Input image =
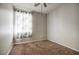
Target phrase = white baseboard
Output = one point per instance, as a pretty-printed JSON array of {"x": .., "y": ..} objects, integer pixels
[
  {"x": 10, "y": 48},
  {"x": 27, "y": 41},
  {"x": 65, "y": 46}
]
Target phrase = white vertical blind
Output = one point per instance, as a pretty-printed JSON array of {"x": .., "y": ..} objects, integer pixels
[{"x": 23, "y": 24}]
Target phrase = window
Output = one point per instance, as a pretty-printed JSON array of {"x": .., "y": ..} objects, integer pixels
[{"x": 23, "y": 24}]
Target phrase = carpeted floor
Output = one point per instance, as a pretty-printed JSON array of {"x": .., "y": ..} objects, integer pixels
[{"x": 44, "y": 47}]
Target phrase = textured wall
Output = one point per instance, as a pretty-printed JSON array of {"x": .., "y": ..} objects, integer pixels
[
  {"x": 6, "y": 28},
  {"x": 63, "y": 26},
  {"x": 39, "y": 26}
]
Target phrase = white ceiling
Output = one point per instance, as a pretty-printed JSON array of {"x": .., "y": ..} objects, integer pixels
[{"x": 31, "y": 7}]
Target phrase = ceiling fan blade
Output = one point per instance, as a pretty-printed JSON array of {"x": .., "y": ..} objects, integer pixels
[
  {"x": 45, "y": 5},
  {"x": 36, "y": 4}
]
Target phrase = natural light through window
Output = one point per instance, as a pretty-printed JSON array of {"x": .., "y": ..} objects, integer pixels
[{"x": 23, "y": 24}]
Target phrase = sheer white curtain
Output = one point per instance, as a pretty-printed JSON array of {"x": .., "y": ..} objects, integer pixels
[{"x": 23, "y": 24}]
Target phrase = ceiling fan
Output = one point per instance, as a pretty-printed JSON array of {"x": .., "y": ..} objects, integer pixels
[{"x": 37, "y": 4}]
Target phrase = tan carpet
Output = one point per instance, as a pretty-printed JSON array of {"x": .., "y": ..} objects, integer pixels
[{"x": 44, "y": 47}]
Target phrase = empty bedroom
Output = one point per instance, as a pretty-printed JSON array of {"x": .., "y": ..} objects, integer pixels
[{"x": 39, "y": 29}]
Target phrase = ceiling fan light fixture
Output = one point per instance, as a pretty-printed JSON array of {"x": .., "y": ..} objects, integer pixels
[{"x": 37, "y": 4}]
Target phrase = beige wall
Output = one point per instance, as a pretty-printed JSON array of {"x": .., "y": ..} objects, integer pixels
[
  {"x": 39, "y": 26},
  {"x": 63, "y": 26},
  {"x": 6, "y": 28}
]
